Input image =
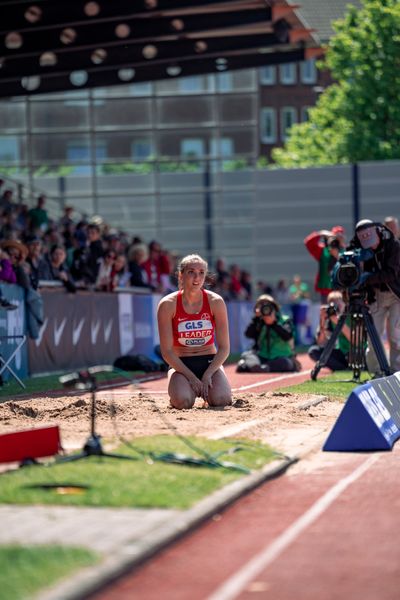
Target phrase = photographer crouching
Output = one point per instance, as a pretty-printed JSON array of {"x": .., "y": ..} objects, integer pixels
[
  {"x": 328, "y": 320},
  {"x": 381, "y": 278},
  {"x": 273, "y": 335}
]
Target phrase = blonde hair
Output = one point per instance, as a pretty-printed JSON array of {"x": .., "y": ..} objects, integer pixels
[
  {"x": 191, "y": 259},
  {"x": 188, "y": 260},
  {"x": 334, "y": 295},
  {"x": 266, "y": 298}
]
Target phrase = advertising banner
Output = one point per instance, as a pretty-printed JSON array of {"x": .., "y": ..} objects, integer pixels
[
  {"x": 370, "y": 419},
  {"x": 12, "y": 327},
  {"x": 80, "y": 330}
]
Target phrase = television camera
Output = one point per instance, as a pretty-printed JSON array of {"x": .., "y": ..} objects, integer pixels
[
  {"x": 347, "y": 275},
  {"x": 348, "y": 271}
]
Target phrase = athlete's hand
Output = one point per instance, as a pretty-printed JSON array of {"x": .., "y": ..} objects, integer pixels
[
  {"x": 196, "y": 386},
  {"x": 206, "y": 383}
]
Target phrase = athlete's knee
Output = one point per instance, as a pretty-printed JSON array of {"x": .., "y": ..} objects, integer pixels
[
  {"x": 181, "y": 401},
  {"x": 220, "y": 399}
]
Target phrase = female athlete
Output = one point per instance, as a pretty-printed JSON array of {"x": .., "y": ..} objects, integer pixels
[{"x": 194, "y": 338}]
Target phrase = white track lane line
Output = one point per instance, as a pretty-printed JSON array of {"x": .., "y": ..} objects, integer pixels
[
  {"x": 272, "y": 380},
  {"x": 233, "y": 586}
]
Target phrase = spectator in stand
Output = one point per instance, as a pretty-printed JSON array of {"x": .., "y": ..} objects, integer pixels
[
  {"x": 154, "y": 267},
  {"x": 122, "y": 274},
  {"x": 22, "y": 219},
  {"x": 165, "y": 272},
  {"x": 8, "y": 229},
  {"x": 54, "y": 268},
  {"x": 324, "y": 246},
  {"x": 35, "y": 259},
  {"x": 298, "y": 290},
  {"x": 237, "y": 290},
  {"x": 7, "y": 275},
  {"x": 95, "y": 252},
  {"x": 392, "y": 223},
  {"x": 7, "y": 272},
  {"x": 106, "y": 277},
  {"x": 299, "y": 298},
  {"x": 223, "y": 287},
  {"x": 113, "y": 240},
  {"x": 51, "y": 237},
  {"x": 174, "y": 275},
  {"x": 67, "y": 220},
  {"x": 137, "y": 256},
  {"x": 245, "y": 281},
  {"x": 264, "y": 288},
  {"x": 6, "y": 201},
  {"x": 77, "y": 256},
  {"x": 38, "y": 217},
  {"x": 281, "y": 294},
  {"x": 221, "y": 270},
  {"x": 18, "y": 252}
]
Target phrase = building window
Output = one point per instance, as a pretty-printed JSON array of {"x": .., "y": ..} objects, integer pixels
[
  {"x": 268, "y": 125},
  {"x": 288, "y": 118},
  {"x": 9, "y": 149},
  {"x": 287, "y": 73},
  {"x": 141, "y": 89},
  {"x": 222, "y": 148},
  {"x": 305, "y": 113},
  {"x": 142, "y": 149},
  {"x": 308, "y": 71},
  {"x": 224, "y": 82},
  {"x": 192, "y": 148},
  {"x": 268, "y": 75},
  {"x": 191, "y": 85}
]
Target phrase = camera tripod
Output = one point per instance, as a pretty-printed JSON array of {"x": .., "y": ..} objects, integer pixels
[
  {"x": 361, "y": 324},
  {"x": 92, "y": 447}
]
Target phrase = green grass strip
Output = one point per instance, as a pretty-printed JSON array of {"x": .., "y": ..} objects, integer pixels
[
  {"x": 148, "y": 481},
  {"x": 27, "y": 569},
  {"x": 337, "y": 385}
]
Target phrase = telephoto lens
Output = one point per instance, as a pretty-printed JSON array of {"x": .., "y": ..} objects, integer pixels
[
  {"x": 331, "y": 309},
  {"x": 267, "y": 309}
]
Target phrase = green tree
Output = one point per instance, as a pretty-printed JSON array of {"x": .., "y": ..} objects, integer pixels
[{"x": 358, "y": 117}]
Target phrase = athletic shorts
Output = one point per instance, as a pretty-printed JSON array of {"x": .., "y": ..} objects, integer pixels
[{"x": 198, "y": 364}]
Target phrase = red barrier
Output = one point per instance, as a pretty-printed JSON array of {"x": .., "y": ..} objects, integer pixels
[{"x": 33, "y": 443}]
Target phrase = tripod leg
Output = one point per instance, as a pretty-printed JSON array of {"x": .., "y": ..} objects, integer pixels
[
  {"x": 357, "y": 344},
  {"x": 376, "y": 342},
  {"x": 328, "y": 348}
]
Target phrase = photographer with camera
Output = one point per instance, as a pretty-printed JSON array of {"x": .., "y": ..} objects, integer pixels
[
  {"x": 273, "y": 335},
  {"x": 329, "y": 317},
  {"x": 325, "y": 246},
  {"x": 381, "y": 279}
]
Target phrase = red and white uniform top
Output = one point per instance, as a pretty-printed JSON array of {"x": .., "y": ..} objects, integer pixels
[{"x": 193, "y": 330}]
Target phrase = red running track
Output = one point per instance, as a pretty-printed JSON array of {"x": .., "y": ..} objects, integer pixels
[
  {"x": 329, "y": 533},
  {"x": 326, "y": 530}
]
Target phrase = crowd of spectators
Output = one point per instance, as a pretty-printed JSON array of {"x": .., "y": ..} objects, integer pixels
[{"x": 86, "y": 253}]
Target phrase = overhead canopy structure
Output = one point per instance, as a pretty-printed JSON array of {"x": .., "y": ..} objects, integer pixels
[{"x": 52, "y": 46}]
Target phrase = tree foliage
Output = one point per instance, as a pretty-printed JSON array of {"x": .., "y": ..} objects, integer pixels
[{"x": 358, "y": 117}]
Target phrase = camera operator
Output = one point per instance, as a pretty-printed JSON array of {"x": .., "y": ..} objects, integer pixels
[
  {"x": 273, "y": 335},
  {"x": 381, "y": 278},
  {"x": 329, "y": 317},
  {"x": 325, "y": 246}
]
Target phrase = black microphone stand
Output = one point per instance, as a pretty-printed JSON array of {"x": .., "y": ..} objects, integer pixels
[{"x": 93, "y": 446}]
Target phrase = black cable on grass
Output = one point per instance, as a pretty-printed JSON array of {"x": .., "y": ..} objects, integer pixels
[{"x": 208, "y": 460}]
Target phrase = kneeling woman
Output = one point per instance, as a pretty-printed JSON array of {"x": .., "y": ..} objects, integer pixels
[{"x": 194, "y": 339}]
